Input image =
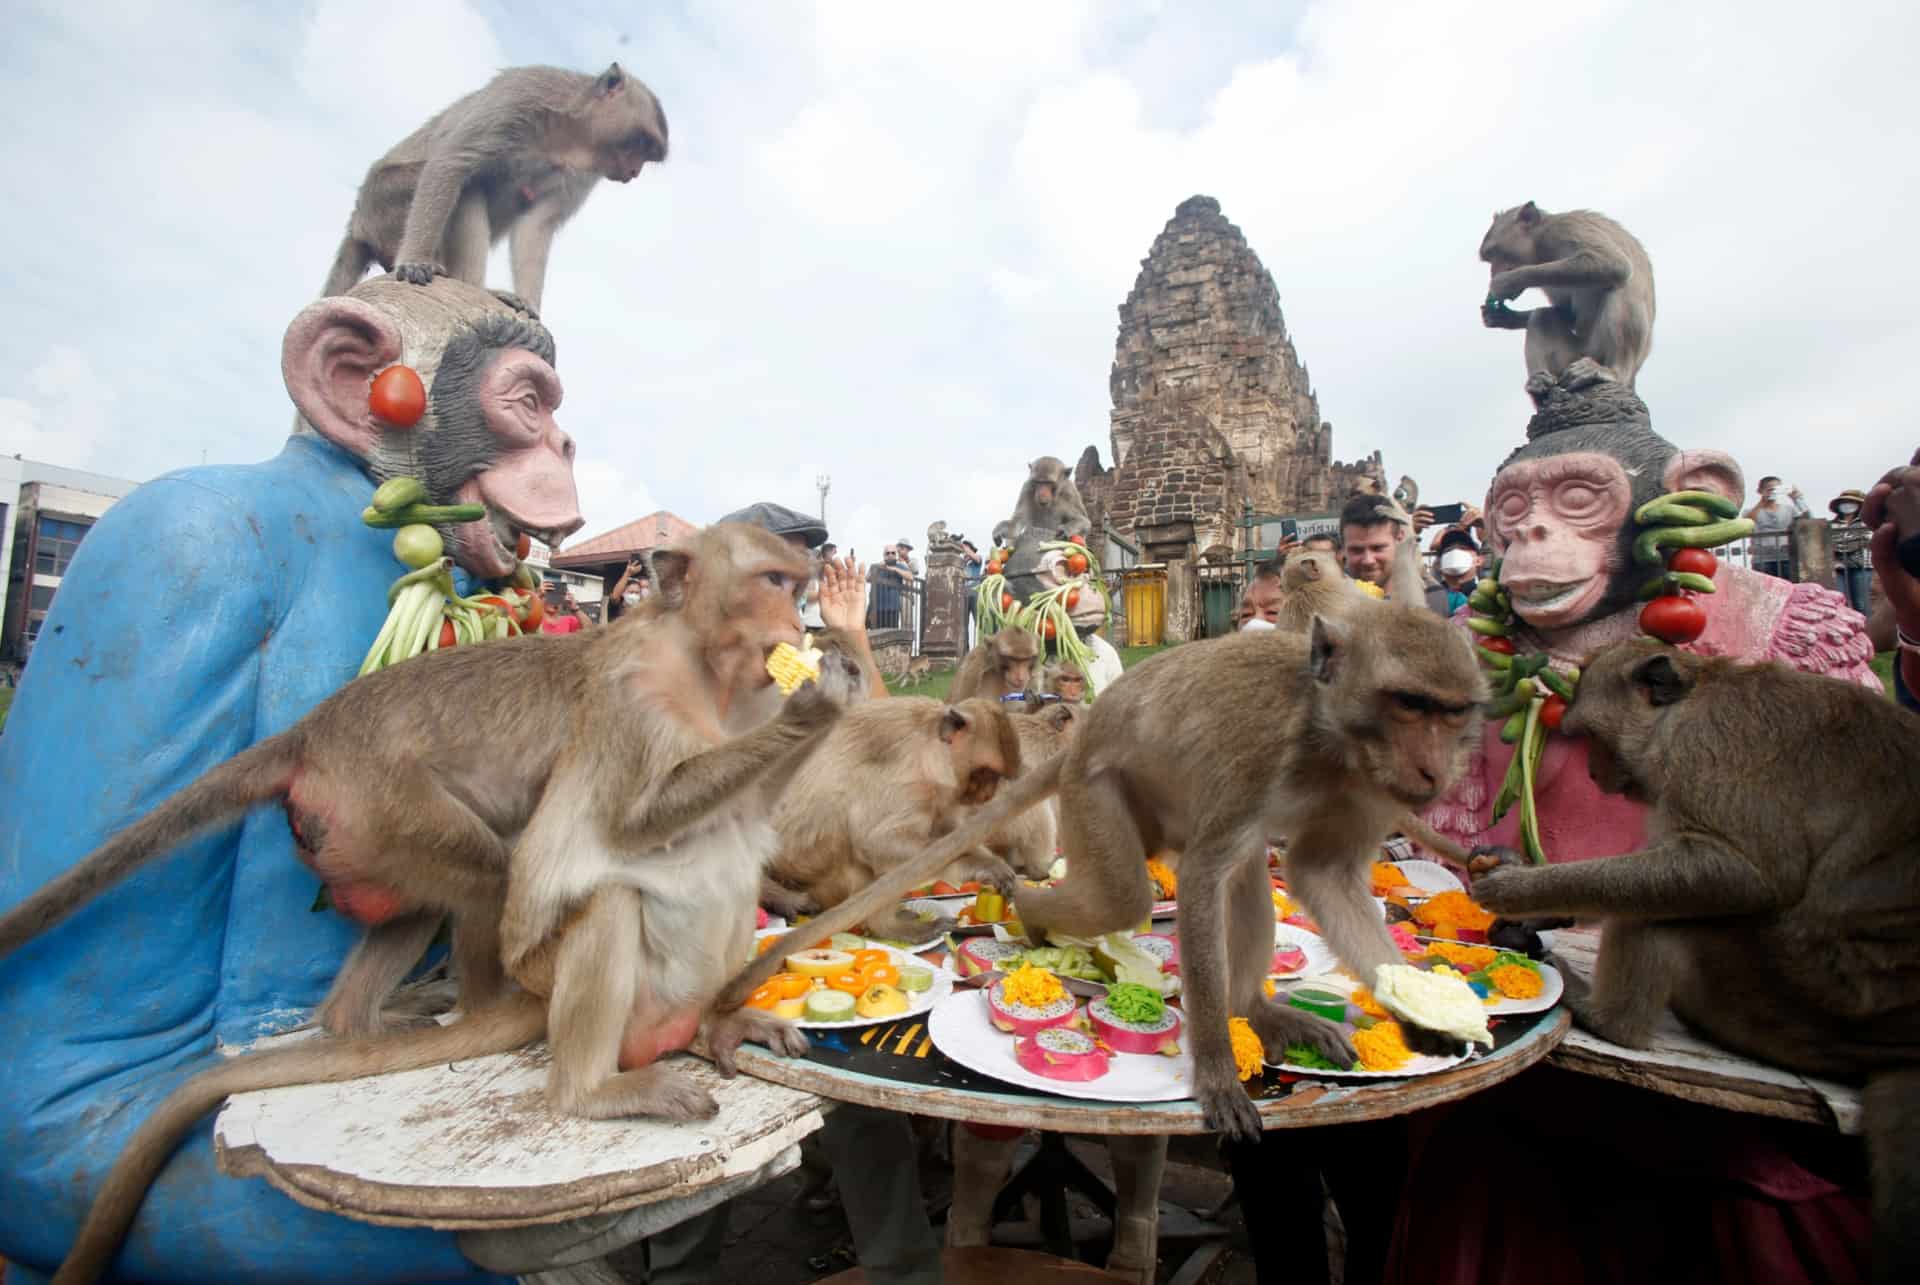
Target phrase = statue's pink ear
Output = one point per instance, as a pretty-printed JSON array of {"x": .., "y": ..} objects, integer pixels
[
  {"x": 332, "y": 351},
  {"x": 1711, "y": 471}
]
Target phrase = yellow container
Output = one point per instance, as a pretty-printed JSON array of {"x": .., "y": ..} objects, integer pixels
[{"x": 1146, "y": 601}]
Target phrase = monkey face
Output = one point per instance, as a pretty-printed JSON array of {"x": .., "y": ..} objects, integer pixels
[
  {"x": 1626, "y": 691},
  {"x": 1017, "y": 674},
  {"x": 1043, "y": 494}
]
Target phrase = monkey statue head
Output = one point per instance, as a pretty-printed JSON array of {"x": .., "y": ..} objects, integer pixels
[
  {"x": 625, "y": 126},
  {"x": 735, "y": 587},
  {"x": 1400, "y": 688},
  {"x": 984, "y": 747},
  {"x": 1626, "y": 691},
  {"x": 1560, "y": 511},
  {"x": 487, "y": 434}
]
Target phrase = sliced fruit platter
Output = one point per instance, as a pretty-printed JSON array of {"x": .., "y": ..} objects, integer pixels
[
  {"x": 1086, "y": 968},
  {"x": 1124, "y": 1044},
  {"x": 851, "y": 982}
]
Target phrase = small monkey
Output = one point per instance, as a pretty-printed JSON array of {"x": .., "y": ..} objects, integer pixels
[
  {"x": 892, "y": 776},
  {"x": 1314, "y": 585},
  {"x": 623, "y": 774},
  {"x": 1002, "y": 665},
  {"x": 1210, "y": 749},
  {"x": 517, "y": 159},
  {"x": 1599, "y": 286},
  {"x": 1065, "y": 679},
  {"x": 1049, "y": 503},
  {"x": 1030, "y": 842},
  {"x": 1778, "y": 916}
]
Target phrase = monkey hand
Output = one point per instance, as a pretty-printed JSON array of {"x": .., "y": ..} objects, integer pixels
[
  {"x": 811, "y": 708},
  {"x": 1506, "y": 285},
  {"x": 1429, "y": 1042},
  {"x": 1224, "y": 1102},
  {"x": 1495, "y": 315},
  {"x": 1511, "y": 891},
  {"x": 1485, "y": 858},
  {"x": 418, "y": 274},
  {"x": 727, "y": 1031}
]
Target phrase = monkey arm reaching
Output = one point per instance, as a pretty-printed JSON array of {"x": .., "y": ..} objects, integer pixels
[
  {"x": 1588, "y": 268},
  {"x": 1687, "y": 876}
]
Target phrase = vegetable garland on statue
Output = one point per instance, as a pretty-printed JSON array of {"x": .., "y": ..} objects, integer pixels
[
  {"x": 425, "y": 612},
  {"x": 1532, "y": 697},
  {"x": 1048, "y": 613}
]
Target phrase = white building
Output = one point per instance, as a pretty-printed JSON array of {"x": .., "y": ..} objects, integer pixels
[{"x": 44, "y": 512}]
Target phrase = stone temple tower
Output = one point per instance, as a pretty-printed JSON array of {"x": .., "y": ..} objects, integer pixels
[{"x": 1212, "y": 406}]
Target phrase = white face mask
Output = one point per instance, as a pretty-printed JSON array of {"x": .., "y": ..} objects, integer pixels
[
  {"x": 1255, "y": 625},
  {"x": 1455, "y": 562},
  {"x": 632, "y": 597},
  {"x": 1847, "y": 508}
]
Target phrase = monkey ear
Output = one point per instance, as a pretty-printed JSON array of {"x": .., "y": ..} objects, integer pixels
[
  {"x": 1529, "y": 213},
  {"x": 1324, "y": 647},
  {"x": 1706, "y": 470},
  {"x": 1663, "y": 681},
  {"x": 328, "y": 359},
  {"x": 610, "y": 80},
  {"x": 952, "y": 723},
  {"x": 670, "y": 568}
]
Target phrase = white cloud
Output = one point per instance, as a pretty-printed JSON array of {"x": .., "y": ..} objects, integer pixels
[{"x": 890, "y": 241}]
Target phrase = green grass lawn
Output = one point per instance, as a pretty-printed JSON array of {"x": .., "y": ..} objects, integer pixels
[
  {"x": 1883, "y": 666},
  {"x": 6, "y": 703}
]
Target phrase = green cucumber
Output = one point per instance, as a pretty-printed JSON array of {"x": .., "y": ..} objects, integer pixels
[
  {"x": 828, "y": 1006},
  {"x": 1718, "y": 506}
]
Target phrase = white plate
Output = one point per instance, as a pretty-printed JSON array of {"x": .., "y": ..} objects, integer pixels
[
  {"x": 918, "y": 1002},
  {"x": 1320, "y": 957},
  {"x": 1428, "y": 876},
  {"x": 1552, "y": 987},
  {"x": 960, "y": 1028}
]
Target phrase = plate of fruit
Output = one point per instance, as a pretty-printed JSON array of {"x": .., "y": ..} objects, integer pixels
[
  {"x": 941, "y": 890},
  {"x": 1085, "y": 966},
  {"x": 1299, "y": 953},
  {"x": 851, "y": 982},
  {"x": 1126, "y": 1045}
]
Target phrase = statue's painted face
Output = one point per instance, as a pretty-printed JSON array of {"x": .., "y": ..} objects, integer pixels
[{"x": 1558, "y": 522}]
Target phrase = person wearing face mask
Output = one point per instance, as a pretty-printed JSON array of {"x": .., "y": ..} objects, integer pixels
[
  {"x": 1458, "y": 565},
  {"x": 631, "y": 589},
  {"x": 1850, "y": 536}
]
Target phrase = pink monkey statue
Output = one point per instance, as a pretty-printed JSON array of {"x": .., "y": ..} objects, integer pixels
[{"x": 1559, "y": 515}]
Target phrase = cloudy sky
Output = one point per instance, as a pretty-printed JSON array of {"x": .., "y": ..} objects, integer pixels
[{"x": 891, "y": 239}]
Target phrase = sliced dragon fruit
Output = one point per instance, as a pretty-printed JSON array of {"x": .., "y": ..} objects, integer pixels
[
  {"x": 1061, "y": 1054},
  {"x": 1161, "y": 947},
  {"x": 1161, "y": 1035},
  {"x": 1021, "y": 1019},
  {"x": 1288, "y": 960},
  {"x": 984, "y": 954}
]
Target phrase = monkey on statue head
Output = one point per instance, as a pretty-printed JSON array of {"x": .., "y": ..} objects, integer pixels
[{"x": 1049, "y": 503}]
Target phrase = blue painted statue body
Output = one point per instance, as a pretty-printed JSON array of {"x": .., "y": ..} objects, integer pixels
[{"x": 210, "y": 609}]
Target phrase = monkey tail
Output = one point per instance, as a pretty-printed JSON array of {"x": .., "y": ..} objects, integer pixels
[
  {"x": 349, "y": 265},
  {"x": 517, "y": 1020},
  {"x": 249, "y": 777},
  {"x": 1027, "y": 792}
]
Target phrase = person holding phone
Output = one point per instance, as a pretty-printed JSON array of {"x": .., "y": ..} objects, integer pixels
[
  {"x": 631, "y": 589},
  {"x": 563, "y": 613}
]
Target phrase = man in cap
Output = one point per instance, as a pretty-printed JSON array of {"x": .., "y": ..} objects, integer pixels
[{"x": 840, "y": 601}]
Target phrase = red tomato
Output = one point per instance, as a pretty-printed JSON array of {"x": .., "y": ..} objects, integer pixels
[
  {"x": 941, "y": 888},
  {"x": 533, "y": 609},
  {"x": 522, "y": 547},
  {"x": 1006, "y": 602},
  {"x": 447, "y": 638},
  {"x": 1674, "y": 619},
  {"x": 1073, "y": 598},
  {"x": 1076, "y": 564},
  {"x": 1552, "y": 710},
  {"x": 1046, "y": 630},
  {"x": 1698, "y": 561},
  {"x": 1003, "y": 556},
  {"x": 398, "y": 396},
  {"x": 1078, "y": 539},
  {"x": 1502, "y": 645},
  {"x": 993, "y": 568}
]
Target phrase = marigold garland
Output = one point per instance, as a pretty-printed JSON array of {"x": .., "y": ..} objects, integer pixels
[
  {"x": 1382, "y": 1047},
  {"x": 1515, "y": 981},
  {"x": 1164, "y": 880},
  {"x": 1249, "y": 1055}
]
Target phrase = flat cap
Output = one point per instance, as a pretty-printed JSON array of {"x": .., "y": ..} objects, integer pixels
[{"x": 782, "y": 521}]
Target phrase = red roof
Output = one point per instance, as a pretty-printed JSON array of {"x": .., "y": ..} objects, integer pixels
[{"x": 621, "y": 543}]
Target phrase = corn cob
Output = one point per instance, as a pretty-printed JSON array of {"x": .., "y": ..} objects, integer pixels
[{"x": 791, "y": 666}]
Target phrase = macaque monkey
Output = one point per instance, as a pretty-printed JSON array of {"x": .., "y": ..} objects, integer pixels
[
  {"x": 1030, "y": 842},
  {"x": 1777, "y": 913},
  {"x": 1049, "y": 503},
  {"x": 890, "y": 778},
  {"x": 514, "y": 159},
  {"x": 1212, "y": 749},
  {"x": 1599, "y": 286},
  {"x": 623, "y": 832},
  {"x": 1065, "y": 679},
  {"x": 1314, "y": 585},
  {"x": 999, "y": 666}
]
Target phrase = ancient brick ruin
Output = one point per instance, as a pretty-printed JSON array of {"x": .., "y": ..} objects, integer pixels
[{"x": 1212, "y": 406}]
